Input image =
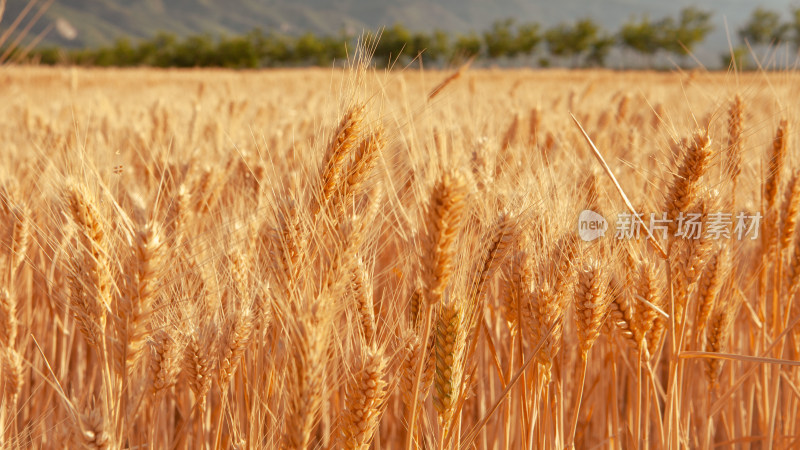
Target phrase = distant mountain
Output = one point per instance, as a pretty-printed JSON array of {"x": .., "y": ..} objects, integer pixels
[{"x": 100, "y": 22}]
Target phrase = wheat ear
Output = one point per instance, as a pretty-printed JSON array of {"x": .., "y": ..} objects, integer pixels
[
  {"x": 621, "y": 313},
  {"x": 449, "y": 349},
  {"x": 707, "y": 290},
  {"x": 20, "y": 236},
  {"x": 517, "y": 285},
  {"x": 137, "y": 304},
  {"x": 717, "y": 334},
  {"x": 8, "y": 318},
  {"x": 90, "y": 278},
  {"x": 546, "y": 313},
  {"x": 445, "y": 213},
  {"x": 164, "y": 364},
  {"x": 686, "y": 183},
  {"x": 591, "y": 304},
  {"x": 306, "y": 381},
  {"x": 93, "y": 431},
  {"x": 362, "y": 293},
  {"x": 365, "y": 398},
  {"x": 196, "y": 363},
  {"x": 333, "y": 164},
  {"x": 591, "y": 308},
  {"x": 365, "y": 158},
  {"x": 415, "y": 353},
  {"x": 732, "y": 165},
  {"x": 772, "y": 181},
  {"x": 237, "y": 332},
  {"x": 648, "y": 324},
  {"x": 12, "y": 378},
  {"x": 789, "y": 211},
  {"x": 503, "y": 235}
]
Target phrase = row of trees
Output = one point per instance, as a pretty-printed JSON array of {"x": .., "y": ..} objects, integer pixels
[
  {"x": 765, "y": 28},
  {"x": 579, "y": 43},
  {"x": 254, "y": 49}
]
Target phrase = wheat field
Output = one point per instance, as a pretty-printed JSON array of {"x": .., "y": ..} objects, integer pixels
[{"x": 358, "y": 258}]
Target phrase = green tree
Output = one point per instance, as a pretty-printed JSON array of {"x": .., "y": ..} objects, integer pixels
[
  {"x": 763, "y": 27},
  {"x": 158, "y": 51},
  {"x": 675, "y": 36},
  {"x": 794, "y": 27},
  {"x": 236, "y": 53},
  {"x": 122, "y": 53},
  {"x": 400, "y": 44},
  {"x": 392, "y": 43},
  {"x": 429, "y": 47},
  {"x": 440, "y": 46},
  {"x": 599, "y": 50},
  {"x": 693, "y": 26},
  {"x": 195, "y": 51},
  {"x": 572, "y": 40},
  {"x": 272, "y": 50},
  {"x": 642, "y": 36},
  {"x": 335, "y": 47},
  {"x": 465, "y": 46},
  {"x": 49, "y": 56},
  {"x": 527, "y": 39},
  {"x": 500, "y": 40},
  {"x": 736, "y": 59},
  {"x": 309, "y": 49}
]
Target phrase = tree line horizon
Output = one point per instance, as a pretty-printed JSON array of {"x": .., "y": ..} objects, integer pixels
[{"x": 580, "y": 43}]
